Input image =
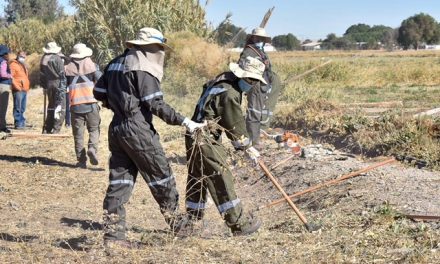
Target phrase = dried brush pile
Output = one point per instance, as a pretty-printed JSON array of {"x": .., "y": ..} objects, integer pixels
[{"x": 391, "y": 134}]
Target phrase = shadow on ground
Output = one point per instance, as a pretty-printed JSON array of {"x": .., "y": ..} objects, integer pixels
[
  {"x": 84, "y": 224},
  {"x": 42, "y": 160},
  {"x": 75, "y": 243},
  {"x": 12, "y": 238}
]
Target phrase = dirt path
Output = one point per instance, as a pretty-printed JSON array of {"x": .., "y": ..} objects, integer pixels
[{"x": 52, "y": 212}]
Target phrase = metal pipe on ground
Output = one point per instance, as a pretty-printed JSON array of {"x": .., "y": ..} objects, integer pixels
[
  {"x": 309, "y": 226},
  {"x": 331, "y": 182}
]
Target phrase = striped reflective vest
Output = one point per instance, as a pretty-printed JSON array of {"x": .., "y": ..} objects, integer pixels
[{"x": 81, "y": 91}]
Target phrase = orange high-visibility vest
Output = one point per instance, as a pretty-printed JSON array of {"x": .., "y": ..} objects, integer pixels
[{"x": 81, "y": 93}]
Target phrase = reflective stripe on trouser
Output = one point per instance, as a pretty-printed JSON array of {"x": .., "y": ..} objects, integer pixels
[
  {"x": 91, "y": 121},
  {"x": 134, "y": 147},
  {"x": 52, "y": 125},
  {"x": 211, "y": 174}
]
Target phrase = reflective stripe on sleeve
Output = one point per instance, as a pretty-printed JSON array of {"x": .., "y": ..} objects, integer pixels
[
  {"x": 195, "y": 206},
  {"x": 100, "y": 90},
  {"x": 228, "y": 205},
  {"x": 151, "y": 96},
  {"x": 116, "y": 67}
]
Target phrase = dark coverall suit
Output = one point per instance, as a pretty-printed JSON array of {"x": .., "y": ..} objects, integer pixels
[
  {"x": 207, "y": 169},
  {"x": 261, "y": 102},
  {"x": 53, "y": 80},
  {"x": 134, "y": 96}
]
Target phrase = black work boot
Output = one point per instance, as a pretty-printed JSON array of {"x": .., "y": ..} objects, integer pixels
[
  {"x": 246, "y": 227},
  {"x": 92, "y": 156},
  {"x": 81, "y": 164}
]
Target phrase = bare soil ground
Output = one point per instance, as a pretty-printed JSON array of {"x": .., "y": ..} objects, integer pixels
[{"x": 52, "y": 211}]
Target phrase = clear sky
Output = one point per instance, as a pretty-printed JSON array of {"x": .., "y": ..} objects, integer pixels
[{"x": 315, "y": 19}]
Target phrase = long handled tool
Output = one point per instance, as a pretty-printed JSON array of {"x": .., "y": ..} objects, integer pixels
[
  {"x": 44, "y": 111},
  {"x": 299, "y": 76},
  {"x": 310, "y": 227},
  {"x": 331, "y": 182}
]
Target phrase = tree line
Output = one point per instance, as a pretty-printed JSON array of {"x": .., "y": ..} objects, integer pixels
[{"x": 413, "y": 32}]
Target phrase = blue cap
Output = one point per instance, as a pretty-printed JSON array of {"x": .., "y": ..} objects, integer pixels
[{"x": 4, "y": 50}]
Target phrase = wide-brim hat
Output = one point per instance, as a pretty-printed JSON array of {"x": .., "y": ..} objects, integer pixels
[
  {"x": 148, "y": 36},
  {"x": 80, "y": 51},
  {"x": 260, "y": 32},
  {"x": 52, "y": 47},
  {"x": 249, "y": 68}
]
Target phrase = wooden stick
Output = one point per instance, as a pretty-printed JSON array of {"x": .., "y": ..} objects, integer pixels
[
  {"x": 35, "y": 135},
  {"x": 286, "y": 197},
  {"x": 331, "y": 182},
  {"x": 296, "y": 77},
  {"x": 376, "y": 104},
  {"x": 428, "y": 113},
  {"x": 283, "y": 161}
]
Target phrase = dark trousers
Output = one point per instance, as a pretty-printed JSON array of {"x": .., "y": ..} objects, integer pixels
[
  {"x": 68, "y": 115},
  {"x": 134, "y": 148},
  {"x": 81, "y": 121},
  {"x": 261, "y": 105},
  {"x": 4, "y": 101},
  {"x": 208, "y": 170},
  {"x": 20, "y": 99},
  {"x": 53, "y": 125}
]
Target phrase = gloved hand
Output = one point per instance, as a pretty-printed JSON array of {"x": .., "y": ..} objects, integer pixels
[
  {"x": 253, "y": 154},
  {"x": 57, "y": 112},
  {"x": 192, "y": 126}
]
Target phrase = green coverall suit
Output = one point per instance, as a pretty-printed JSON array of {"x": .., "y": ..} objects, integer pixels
[
  {"x": 261, "y": 102},
  {"x": 207, "y": 167}
]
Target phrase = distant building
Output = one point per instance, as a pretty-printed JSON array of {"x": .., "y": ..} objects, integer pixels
[
  {"x": 432, "y": 47},
  {"x": 311, "y": 46}
]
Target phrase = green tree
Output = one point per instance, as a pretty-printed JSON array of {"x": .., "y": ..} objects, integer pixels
[
  {"x": 286, "y": 42},
  {"x": 334, "y": 42},
  {"x": 46, "y": 10},
  {"x": 418, "y": 29},
  {"x": 369, "y": 35}
]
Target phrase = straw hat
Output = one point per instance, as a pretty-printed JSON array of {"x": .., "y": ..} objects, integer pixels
[
  {"x": 249, "y": 68},
  {"x": 148, "y": 36},
  {"x": 80, "y": 51},
  {"x": 260, "y": 32},
  {"x": 52, "y": 47}
]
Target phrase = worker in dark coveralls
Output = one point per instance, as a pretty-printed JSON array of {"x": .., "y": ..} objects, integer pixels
[
  {"x": 130, "y": 87},
  {"x": 53, "y": 81},
  {"x": 261, "y": 102},
  {"x": 207, "y": 168}
]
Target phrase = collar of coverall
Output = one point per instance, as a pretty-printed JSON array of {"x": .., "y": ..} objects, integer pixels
[{"x": 151, "y": 61}]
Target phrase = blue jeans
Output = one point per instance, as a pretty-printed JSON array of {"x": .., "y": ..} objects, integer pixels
[
  {"x": 19, "y": 108},
  {"x": 68, "y": 116}
]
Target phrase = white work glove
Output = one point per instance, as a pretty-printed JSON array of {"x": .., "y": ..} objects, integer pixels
[
  {"x": 57, "y": 112},
  {"x": 192, "y": 126},
  {"x": 253, "y": 154}
]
